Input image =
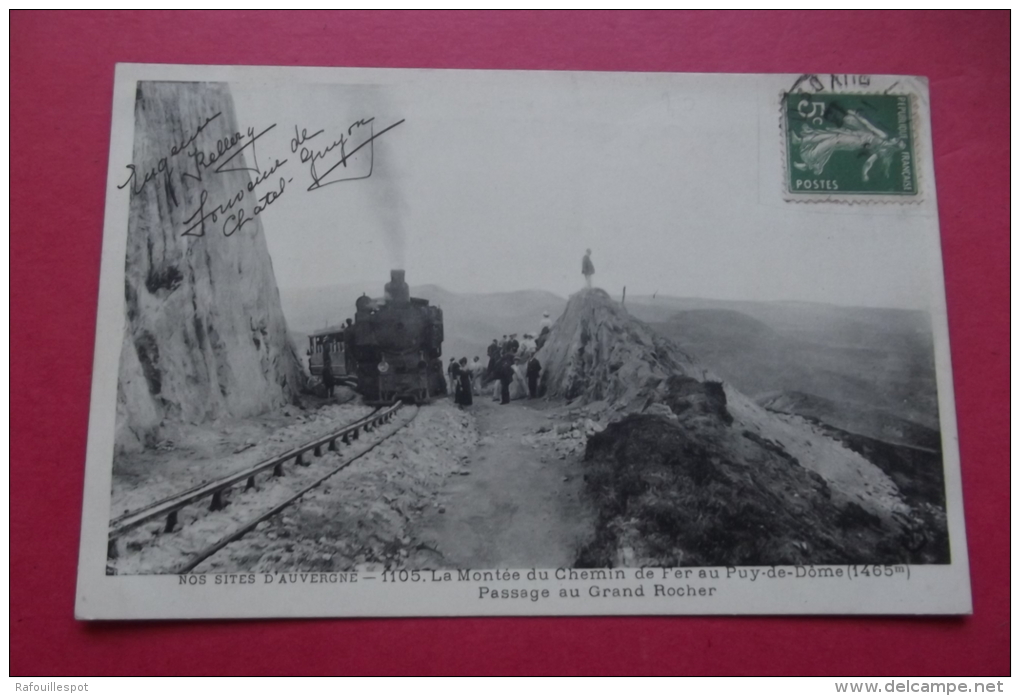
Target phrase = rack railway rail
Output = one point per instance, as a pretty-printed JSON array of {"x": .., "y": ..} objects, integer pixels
[{"x": 167, "y": 509}]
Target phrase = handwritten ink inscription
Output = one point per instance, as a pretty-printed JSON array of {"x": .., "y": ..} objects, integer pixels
[
  {"x": 325, "y": 156},
  {"x": 342, "y": 159}
]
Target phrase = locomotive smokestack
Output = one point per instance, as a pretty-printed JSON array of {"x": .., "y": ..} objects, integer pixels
[{"x": 397, "y": 290}]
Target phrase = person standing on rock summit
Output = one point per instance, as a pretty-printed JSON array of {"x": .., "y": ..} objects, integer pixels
[{"x": 587, "y": 268}]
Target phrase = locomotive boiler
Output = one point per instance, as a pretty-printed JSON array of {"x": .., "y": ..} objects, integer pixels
[{"x": 394, "y": 346}]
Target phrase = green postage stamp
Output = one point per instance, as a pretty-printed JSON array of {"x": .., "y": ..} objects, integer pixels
[{"x": 854, "y": 144}]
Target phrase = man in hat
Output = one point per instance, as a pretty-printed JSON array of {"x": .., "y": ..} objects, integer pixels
[
  {"x": 533, "y": 371},
  {"x": 493, "y": 352},
  {"x": 506, "y": 376},
  {"x": 327, "y": 371},
  {"x": 528, "y": 346}
]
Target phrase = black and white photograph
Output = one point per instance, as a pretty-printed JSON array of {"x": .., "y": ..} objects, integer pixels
[{"x": 400, "y": 342}]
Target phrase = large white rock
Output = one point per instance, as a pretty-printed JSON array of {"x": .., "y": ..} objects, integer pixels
[
  {"x": 596, "y": 351},
  {"x": 205, "y": 336}
]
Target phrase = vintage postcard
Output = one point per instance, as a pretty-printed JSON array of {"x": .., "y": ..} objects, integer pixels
[{"x": 420, "y": 342}]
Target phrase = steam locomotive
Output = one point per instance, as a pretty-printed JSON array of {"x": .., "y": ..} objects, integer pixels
[{"x": 394, "y": 346}]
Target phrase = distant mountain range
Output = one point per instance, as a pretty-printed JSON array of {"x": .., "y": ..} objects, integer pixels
[
  {"x": 865, "y": 370},
  {"x": 470, "y": 320},
  {"x": 871, "y": 369}
]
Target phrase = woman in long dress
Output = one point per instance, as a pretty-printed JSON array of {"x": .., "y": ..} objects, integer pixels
[{"x": 462, "y": 393}]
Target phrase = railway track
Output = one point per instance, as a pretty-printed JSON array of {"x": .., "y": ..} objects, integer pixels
[{"x": 166, "y": 513}]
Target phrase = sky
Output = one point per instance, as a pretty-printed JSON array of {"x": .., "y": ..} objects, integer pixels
[{"x": 499, "y": 181}]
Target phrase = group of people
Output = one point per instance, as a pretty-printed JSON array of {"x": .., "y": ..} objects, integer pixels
[
  {"x": 468, "y": 379},
  {"x": 462, "y": 379}
]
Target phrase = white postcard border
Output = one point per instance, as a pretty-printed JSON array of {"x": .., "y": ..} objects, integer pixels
[{"x": 934, "y": 589}]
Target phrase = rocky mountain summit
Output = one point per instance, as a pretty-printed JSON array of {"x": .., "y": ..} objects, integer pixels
[
  {"x": 598, "y": 352},
  {"x": 204, "y": 335},
  {"x": 689, "y": 471}
]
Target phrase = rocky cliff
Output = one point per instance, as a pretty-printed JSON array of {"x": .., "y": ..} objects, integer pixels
[{"x": 205, "y": 336}]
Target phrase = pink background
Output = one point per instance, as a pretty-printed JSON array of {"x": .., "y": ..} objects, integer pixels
[{"x": 61, "y": 88}]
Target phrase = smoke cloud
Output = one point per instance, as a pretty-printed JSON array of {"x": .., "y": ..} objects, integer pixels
[{"x": 385, "y": 183}]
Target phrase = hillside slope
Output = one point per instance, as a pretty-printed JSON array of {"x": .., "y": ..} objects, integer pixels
[
  {"x": 860, "y": 359},
  {"x": 691, "y": 471},
  {"x": 876, "y": 423}
]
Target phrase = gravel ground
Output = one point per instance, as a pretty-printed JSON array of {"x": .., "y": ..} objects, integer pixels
[
  {"x": 378, "y": 510},
  {"x": 198, "y": 454},
  {"x": 521, "y": 502},
  {"x": 149, "y": 549},
  {"x": 364, "y": 514}
]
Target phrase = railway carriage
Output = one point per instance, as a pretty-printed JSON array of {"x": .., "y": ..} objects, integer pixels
[
  {"x": 329, "y": 340},
  {"x": 394, "y": 346}
]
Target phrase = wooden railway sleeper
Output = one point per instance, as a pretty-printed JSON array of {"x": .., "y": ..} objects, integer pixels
[
  {"x": 238, "y": 533},
  {"x": 217, "y": 501}
]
